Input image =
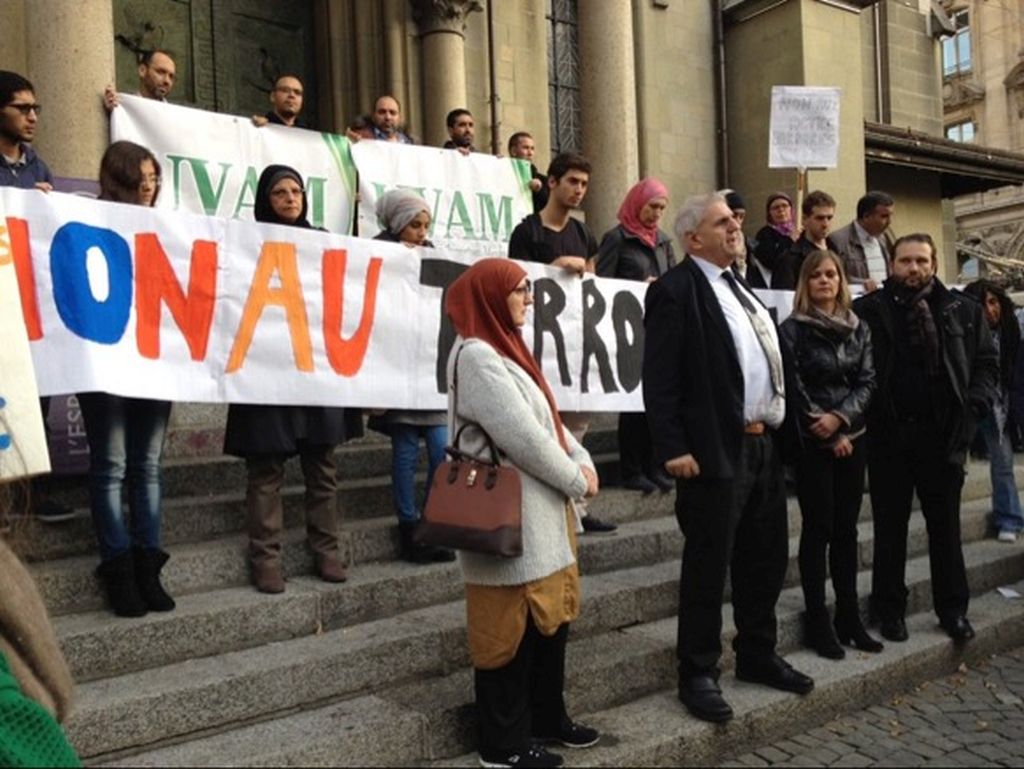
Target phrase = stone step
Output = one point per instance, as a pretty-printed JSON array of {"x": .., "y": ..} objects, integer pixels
[
  {"x": 207, "y": 623},
  {"x": 361, "y": 459},
  {"x": 70, "y": 584},
  {"x": 607, "y": 672},
  {"x": 656, "y": 731},
  {"x": 193, "y": 518}
]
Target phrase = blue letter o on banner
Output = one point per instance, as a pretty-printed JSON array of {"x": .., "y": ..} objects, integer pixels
[{"x": 105, "y": 321}]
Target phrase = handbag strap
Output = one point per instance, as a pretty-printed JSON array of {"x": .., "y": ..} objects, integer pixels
[{"x": 454, "y": 449}]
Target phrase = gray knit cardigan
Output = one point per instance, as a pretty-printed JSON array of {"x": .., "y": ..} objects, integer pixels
[{"x": 497, "y": 394}]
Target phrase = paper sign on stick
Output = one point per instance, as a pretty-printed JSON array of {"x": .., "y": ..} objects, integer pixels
[{"x": 804, "y": 129}]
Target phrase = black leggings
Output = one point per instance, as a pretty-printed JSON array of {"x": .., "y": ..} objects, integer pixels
[{"x": 830, "y": 491}]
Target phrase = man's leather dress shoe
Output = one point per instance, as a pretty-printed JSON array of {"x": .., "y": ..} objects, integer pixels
[
  {"x": 893, "y": 629},
  {"x": 703, "y": 698},
  {"x": 958, "y": 628},
  {"x": 776, "y": 673}
]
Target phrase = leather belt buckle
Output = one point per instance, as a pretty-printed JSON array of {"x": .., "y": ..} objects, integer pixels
[{"x": 754, "y": 428}]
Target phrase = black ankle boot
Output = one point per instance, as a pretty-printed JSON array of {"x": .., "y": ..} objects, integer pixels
[
  {"x": 850, "y": 631},
  {"x": 119, "y": 582},
  {"x": 148, "y": 565},
  {"x": 411, "y": 551},
  {"x": 819, "y": 635}
]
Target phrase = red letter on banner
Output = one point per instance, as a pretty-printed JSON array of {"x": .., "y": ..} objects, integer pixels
[
  {"x": 346, "y": 355},
  {"x": 156, "y": 283},
  {"x": 17, "y": 229}
]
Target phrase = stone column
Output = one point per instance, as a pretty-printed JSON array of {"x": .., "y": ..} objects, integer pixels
[
  {"x": 442, "y": 26},
  {"x": 608, "y": 94},
  {"x": 70, "y": 60}
]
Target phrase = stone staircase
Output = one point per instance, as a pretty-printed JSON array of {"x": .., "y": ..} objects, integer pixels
[{"x": 376, "y": 671}]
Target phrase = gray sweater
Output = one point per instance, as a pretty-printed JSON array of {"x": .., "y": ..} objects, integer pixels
[{"x": 500, "y": 396}]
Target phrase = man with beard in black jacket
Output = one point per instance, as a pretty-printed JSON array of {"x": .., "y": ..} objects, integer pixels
[{"x": 937, "y": 370}]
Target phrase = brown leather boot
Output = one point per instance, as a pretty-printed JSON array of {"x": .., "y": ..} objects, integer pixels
[
  {"x": 330, "y": 568},
  {"x": 267, "y": 576}
]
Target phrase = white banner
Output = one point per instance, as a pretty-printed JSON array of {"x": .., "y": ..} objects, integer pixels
[
  {"x": 152, "y": 303},
  {"x": 211, "y": 162},
  {"x": 22, "y": 439},
  {"x": 476, "y": 200},
  {"x": 804, "y": 130}
]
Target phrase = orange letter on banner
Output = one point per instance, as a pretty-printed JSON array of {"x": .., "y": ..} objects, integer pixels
[
  {"x": 279, "y": 258},
  {"x": 346, "y": 355},
  {"x": 17, "y": 230},
  {"x": 155, "y": 282}
]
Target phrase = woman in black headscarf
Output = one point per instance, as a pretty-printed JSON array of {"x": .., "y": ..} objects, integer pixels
[{"x": 265, "y": 436}]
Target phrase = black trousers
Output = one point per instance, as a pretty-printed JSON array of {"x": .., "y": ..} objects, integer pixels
[
  {"x": 830, "y": 491},
  {"x": 913, "y": 458},
  {"x": 524, "y": 698},
  {"x": 635, "y": 450},
  {"x": 738, "y": 525}
]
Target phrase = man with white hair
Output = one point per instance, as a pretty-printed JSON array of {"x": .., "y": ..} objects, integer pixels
[{"x": 715, "y": 396}]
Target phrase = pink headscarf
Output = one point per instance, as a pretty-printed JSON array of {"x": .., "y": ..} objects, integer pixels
[{"x": 641, "y": 193}]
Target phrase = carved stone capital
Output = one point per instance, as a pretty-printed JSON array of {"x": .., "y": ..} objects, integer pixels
[{"x": 443, "y": 15}]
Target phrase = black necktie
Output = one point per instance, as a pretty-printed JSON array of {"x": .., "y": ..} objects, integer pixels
[{"x": 764, "y": 335}]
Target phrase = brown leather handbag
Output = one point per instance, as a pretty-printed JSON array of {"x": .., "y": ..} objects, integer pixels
[{"x": 475, "y": 503}]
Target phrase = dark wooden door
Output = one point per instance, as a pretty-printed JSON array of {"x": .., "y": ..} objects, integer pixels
[{"x": 227, "y": 52}]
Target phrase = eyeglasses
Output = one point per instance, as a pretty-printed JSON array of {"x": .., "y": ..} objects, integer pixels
[
  {"x": 524, "y": 291},
  {"x": 24, "y": 109},
  {"x": 153, "y": 180}
]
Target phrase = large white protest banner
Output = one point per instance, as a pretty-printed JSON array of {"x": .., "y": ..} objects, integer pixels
[
  {"x": 211, "y": 162},
  {"x": 22, "y": 438},
  {"x": 804, "y": 129},
  {"x": 476, "y": 200},
  {"x": 159, "y": 304}
]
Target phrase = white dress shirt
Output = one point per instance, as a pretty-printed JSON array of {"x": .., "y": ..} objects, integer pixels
[
  {"x": 873, "y": 253},
  {"x": 760, "y": 403}
]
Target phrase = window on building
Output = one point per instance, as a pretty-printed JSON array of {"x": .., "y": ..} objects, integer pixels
[
  {"x": 956, "y": 50},
  {"x": 961, "y": 132},
  {"x": 564, "y": 76}
]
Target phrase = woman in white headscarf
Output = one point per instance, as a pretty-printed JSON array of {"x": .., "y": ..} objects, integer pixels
[{"x": 404, "y": 218}]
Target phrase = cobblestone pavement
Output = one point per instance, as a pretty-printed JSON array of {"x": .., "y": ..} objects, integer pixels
[{"x": 974, "y": 717}]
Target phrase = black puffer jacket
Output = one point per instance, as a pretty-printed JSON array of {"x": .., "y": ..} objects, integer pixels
[
  {"x": 831, "y": 373},
  {"x": 969, "y": 358}
]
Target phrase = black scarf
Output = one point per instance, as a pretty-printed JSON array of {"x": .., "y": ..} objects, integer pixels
[{"x": 924, "y": 335}]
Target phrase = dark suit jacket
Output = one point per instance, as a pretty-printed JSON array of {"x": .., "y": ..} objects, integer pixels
[{"x": 693, "y": 384}]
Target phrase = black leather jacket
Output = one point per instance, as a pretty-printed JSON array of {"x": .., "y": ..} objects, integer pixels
[
  {"x": 830, "y": 373},
  {"x": 969, "y": 361}
]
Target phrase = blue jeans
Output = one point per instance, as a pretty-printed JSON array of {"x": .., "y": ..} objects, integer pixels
[
  {"x": 405, "y": 449},
  {"x": 126, "y": 439},
  {"x": 1006, "y": 511}
]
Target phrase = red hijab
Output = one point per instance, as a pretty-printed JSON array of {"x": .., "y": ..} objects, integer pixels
[
  {"x": 477, "y": 304},
  {"x": 639, "y": 195}
]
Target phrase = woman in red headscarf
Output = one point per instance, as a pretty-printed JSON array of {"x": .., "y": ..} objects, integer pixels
[
  {"x": 517, "y": 609},
  {"x": 637, "y": 249}
]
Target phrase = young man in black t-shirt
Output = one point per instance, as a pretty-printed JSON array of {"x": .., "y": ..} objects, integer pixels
[{"x": 552, "y": 236}]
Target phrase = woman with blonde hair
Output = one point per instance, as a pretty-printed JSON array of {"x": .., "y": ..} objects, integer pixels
[{"x": 831, "y": 383}]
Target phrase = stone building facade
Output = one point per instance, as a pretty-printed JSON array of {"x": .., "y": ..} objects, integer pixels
[{"x": 983, "y": 101}]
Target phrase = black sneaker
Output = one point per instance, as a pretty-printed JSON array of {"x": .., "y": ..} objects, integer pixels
[
  {"x": 592, "y": 525},
  {"x": 534, "y": 756},
  {"x": 574, "y": 736}
]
